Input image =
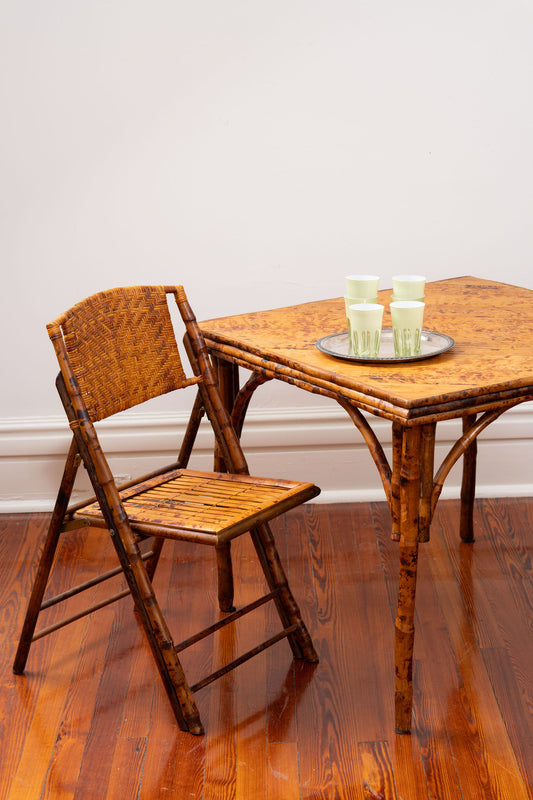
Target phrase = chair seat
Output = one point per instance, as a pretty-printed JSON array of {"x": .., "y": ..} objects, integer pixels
[{"x": 208, "y": 507}]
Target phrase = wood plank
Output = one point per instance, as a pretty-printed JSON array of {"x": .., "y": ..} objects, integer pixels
[
  {"x": 513, "y": 699},
  {"x": 125, "y": 772},
  {"x": 174, "y": 760},
  {"x": 313, "y": 697},
  {"x": 280, "y": 695},
  {"x": 378, "y": 776},
  {"x": 80, "y": 697},
  {"x": 326, "y": 759},
  {"x": 91, "y": 719},
  {"x": 478, "y": 736},
  {"x": 282, "y": 771},
  {"x": 44, "y": 685},
  {"x": 251, "y": 677},
  {"x": 366, "y": 624}
]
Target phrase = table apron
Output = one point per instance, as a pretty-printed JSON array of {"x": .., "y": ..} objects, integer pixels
[{"x": 406, "y": 416}]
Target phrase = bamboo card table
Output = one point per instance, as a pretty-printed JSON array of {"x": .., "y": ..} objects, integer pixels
[{"x": 489, "y": 369}]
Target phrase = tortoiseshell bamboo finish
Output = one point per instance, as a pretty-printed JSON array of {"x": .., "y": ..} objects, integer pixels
[
  {"x": 489, "y": 370},
  {"x": 117, "y": 349}
]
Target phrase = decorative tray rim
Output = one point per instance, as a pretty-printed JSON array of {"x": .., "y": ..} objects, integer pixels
[{"x": 447, "y": 344}]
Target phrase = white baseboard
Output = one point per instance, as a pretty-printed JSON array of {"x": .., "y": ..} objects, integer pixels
[{"x": 316, "y": 444}]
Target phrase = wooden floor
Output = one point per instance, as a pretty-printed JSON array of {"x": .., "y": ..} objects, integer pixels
[{"x": 90, "y": 719}]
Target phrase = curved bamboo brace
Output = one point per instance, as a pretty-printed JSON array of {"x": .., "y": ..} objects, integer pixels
[
  {"x": 242, "y": 400},
  {"x": 373, "y": 444},
  {"x": 256, "y": 379},
  {"x": 460, "y": 447}
]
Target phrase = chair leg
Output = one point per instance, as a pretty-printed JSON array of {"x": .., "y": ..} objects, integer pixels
[
  {"x": 300, "y": 640},
  {"x": 47, "y": 558},
  {"x": 157, "y": 633},
  {"x": 153, "y": 561},
  {"x": 225, "y": 577}
]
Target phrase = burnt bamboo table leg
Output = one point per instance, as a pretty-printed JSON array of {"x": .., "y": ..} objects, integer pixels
[
  {"x": 468, "y": 486},
  {"x": 410, "y": 489},
  {"x": 397, "y": 434},
  {"x": 228, "y": 380}
]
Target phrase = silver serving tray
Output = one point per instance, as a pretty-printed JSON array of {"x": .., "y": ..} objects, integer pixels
[{"x": 432, "y": 344}]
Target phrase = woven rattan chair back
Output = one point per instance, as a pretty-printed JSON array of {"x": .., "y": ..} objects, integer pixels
[
  {"x": 120, "y": 347},
  {"x": 117, "y": 349}
]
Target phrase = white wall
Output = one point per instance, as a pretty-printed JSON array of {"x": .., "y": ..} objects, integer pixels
[{"x": 254, "y": 151}]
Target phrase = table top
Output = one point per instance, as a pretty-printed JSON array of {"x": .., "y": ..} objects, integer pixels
[{"x": 490, "y": 366}]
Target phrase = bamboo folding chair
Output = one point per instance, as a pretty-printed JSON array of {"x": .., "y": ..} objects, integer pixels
[{"x": 117, "y": 349}]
